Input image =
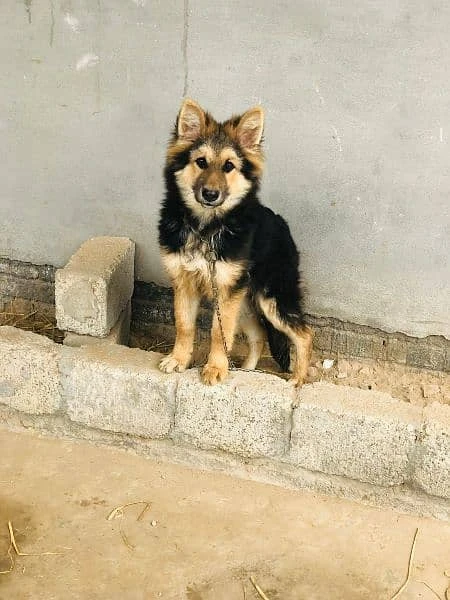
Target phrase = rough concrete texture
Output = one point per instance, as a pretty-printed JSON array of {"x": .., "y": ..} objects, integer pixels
[
  {"x": 119, "y": 334},
  {"x": 364, "y": 435},
  {"x": 31, "y": 289},
  {"x": 432, "y": 470},
  {"x": 29, "y": 378},
  {"x": 118, "y": 389},
  {"x": 95, "y": 286},
  {"x": 250, "y": 414}
]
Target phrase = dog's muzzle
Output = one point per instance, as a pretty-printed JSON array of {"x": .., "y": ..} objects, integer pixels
[{"x": 210, "y": 197}]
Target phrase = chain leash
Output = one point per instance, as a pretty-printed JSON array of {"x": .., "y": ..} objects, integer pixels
[{"x": 211, "y": 258}]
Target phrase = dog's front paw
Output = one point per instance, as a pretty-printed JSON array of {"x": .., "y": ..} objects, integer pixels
[
  {"x": 212, "y": 374},
  {"x": 171, "y": 364},
  {"x": 296, "y": 381}
]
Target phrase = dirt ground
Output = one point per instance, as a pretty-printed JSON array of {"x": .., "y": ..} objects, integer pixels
[{"x": 203, "y": 537}]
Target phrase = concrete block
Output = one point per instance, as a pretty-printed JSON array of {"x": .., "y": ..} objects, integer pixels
[
  {"x": 423, "y": 355},
  {"x": 250, "y": 414},
  {"x": 119, "y": 334},
  {"x": 118, "y": 389},
  {"x": 364, "y": 435},
  {"x": 29, "y": 379},
  {"x": 32, "y": 289},
  {"x": 432, "y": 468},
  {"x": 95, "y": 286}
]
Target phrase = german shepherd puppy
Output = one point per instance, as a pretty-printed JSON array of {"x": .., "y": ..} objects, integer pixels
[{"x": 211, "y": 205}]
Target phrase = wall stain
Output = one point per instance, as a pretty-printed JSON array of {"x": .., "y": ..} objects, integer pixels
[
  {"x": 98, "y": 81},
  {"x": 52, "y": 23},
  {"x": 185, "y": 46},
  {"x": 28, "y": 8}
]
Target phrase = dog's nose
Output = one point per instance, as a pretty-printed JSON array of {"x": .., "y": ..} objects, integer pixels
[{"x": 209, "y": 195}]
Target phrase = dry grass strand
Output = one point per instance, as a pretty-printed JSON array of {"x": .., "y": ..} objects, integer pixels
[
  {"x": 410, "y": 561},
  {"x": 258, "y": 589},
  {"x": 118, "y": 512},
  {"x": 429, "y": 587},
  {"x": 13, "y": 546}
]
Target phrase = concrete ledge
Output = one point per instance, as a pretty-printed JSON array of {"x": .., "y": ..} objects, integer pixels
[
  {"x": 29, "y": 376},
  {"x": 250, "y": 414},
  {"x": 361, "y": 434},
  {"x": 432, "y": 466},
  {"x": 95, "y": 286},
  {"x": 337, "y": 439},
  {"x": 118, "y": 389}
]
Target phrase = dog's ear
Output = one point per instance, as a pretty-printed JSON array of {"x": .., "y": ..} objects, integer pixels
[
  {"x": 250, "y": 128},
  {"x": 191, "y": 121}
]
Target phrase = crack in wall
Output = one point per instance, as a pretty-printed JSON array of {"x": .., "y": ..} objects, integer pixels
[
  {"x": 28, "y": 9},
  {"x": 52, "y": 23},
  {"x": 185, "y": 46}
]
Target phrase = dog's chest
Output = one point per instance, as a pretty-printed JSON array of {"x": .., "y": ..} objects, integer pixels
[
  {"x": 193, "y": 261},
  {"x": 193, "y": 256}
]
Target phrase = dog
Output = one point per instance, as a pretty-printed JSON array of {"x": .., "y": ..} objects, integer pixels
[{"x": 217, "y": 240}]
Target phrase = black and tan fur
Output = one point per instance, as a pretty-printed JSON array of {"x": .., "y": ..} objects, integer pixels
[{"x": 212, "y": 179}]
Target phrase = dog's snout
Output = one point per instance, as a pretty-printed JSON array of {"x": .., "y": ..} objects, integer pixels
[{"x": 210, "y": 195}]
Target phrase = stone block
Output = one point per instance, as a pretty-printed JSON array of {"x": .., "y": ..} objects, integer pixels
[
  {"x": 29, "y": 379},
  {"x": 119, "y": 389},
  {"x": 432, "y": 466},
  {"x": 119, "y": 334},
  {"x": 95, "y": 286},
  {"x": 250, "y": 414},
  {"x": 364, "y": 435}
]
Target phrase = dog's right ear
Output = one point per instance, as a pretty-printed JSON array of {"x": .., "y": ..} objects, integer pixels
[{"x": 191, "y": 121}]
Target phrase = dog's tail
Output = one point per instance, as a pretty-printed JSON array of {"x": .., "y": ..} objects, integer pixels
[{"x": 279, "y": 345}]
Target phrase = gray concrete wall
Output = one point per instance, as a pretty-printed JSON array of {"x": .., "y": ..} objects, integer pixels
[{"x": 357, "y": 134}]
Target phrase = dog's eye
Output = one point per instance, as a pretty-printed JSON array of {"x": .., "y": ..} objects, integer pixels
[
  {"x": 228, "y": 166},
  {"x": 201, "y": 162}
]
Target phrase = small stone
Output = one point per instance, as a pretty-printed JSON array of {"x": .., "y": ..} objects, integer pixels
[
  {"x": 313, "y": 372},
  {"x": 430, "y": 390},
  {"x": 328, "y": 363},
  {"x": 153, "y": 523},
  {"x": 414, "y": 395},
  {"x": 342, "y": 375},
  {"x": 366, "y": 371}
]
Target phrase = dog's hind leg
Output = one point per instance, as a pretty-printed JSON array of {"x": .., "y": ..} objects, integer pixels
[
  {"x": 300, "y": 335},
  {"x": 254, "y": 332},
  {"x": 186, "y": 302}
]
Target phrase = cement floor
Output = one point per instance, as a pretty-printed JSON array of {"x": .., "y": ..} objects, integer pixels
[{"x": 203, "y": 537}]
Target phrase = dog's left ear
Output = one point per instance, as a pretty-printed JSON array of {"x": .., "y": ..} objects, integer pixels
[
  {"x": 191, "y": 121},
  {"x": 250, "y": 128}
]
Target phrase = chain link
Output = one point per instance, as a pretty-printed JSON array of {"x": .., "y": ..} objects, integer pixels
[{"x": 211, "y": 257}]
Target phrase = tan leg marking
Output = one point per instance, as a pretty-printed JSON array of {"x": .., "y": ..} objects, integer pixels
[
  {"x": 301, "y": 338},
  {"x": 254, "y": 332},
  {"x": 303, "y": 346},
  {"x": 216, "y": 369},
  {"x": 186, "y": 301}
]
